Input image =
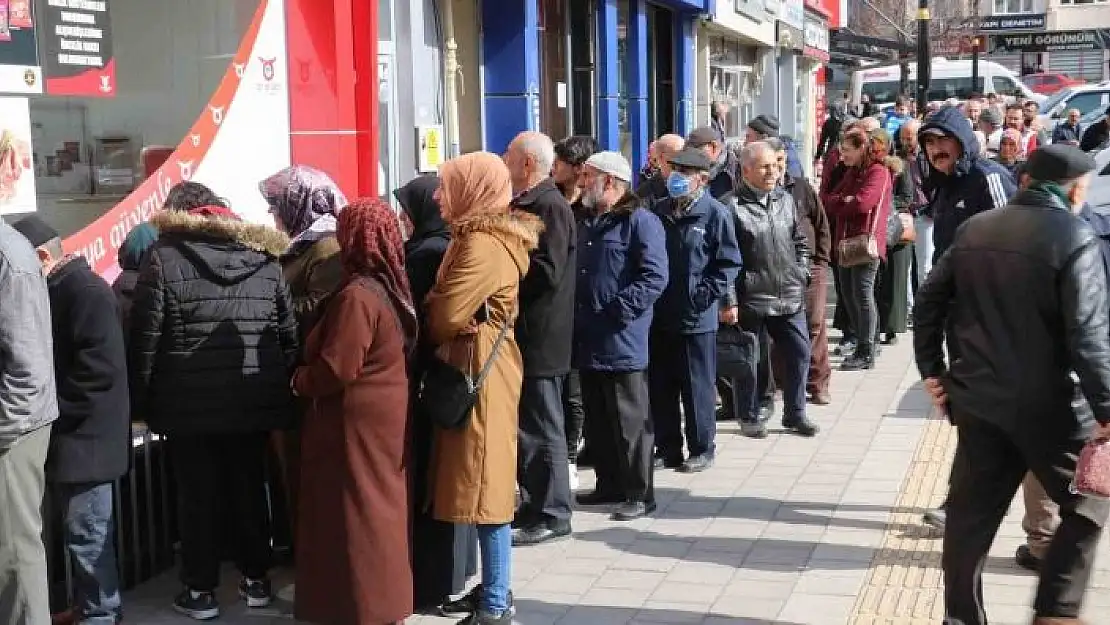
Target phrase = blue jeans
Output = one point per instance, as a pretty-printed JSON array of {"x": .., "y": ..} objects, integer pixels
[
  {"x": 496, "y": 544},
  {"x": 90, "y": 530}
]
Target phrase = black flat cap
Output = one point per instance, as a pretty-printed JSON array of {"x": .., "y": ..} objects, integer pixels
[
  {"x": 35, "y": 230},
  {"x": 766, "y": 125},
  {"x": 691, "y": 158},
  {"x": 702, "y": 136},
  {"x": 1059, "y": 163}
]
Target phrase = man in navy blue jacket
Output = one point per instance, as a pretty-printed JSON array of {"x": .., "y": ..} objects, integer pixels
[
  {"x": 622, "y": 271},
  {"x": 959, "y": 181},
  {"x": 703, "y": 258}
]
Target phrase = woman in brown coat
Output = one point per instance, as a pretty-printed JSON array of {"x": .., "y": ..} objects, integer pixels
[
  {"x": 475, "y": 295},
  {"x": 353, "y": 531}
]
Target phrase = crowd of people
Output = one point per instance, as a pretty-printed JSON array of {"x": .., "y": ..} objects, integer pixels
[{"x": 421, "y": 387}]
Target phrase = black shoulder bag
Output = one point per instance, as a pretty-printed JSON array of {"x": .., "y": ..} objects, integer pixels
[{"x": 447, "y": 395}]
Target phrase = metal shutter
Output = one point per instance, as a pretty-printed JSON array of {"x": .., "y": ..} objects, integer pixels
[
  {"x": 1011, "y": 62},
  {"x": 1085, "y": 64}
]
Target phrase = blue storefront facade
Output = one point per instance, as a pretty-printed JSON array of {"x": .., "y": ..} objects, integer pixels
[{"x": 629, "y": 82}]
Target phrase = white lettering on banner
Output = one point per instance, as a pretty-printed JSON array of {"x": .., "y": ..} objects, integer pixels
[
  {"x": 80, "y": 18},
  {"x": 78, "y": 59},
  {"x": 97, "y": 6},
  {"x": 79, "y": 32}
]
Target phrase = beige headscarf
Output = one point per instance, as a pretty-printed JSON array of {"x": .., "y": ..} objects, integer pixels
[{"x": 474, "y": 185}]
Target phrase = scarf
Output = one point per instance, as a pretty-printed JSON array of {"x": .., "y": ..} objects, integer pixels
[
  {"x": 1052, "y": 188},
  {"x": 417, "y": 199},
  {"x": 306, "y": 201},
  {"x": 475, "y": 185}
]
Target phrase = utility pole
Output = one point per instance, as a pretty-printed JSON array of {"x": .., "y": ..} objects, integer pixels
[
  {"x": 923, "y": 70},
  {"x": 976, "y": 42}
]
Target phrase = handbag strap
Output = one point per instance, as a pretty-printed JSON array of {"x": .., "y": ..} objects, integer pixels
[
  {"x": 484, "y": 373},
  {"x": 874, "y": 227}
]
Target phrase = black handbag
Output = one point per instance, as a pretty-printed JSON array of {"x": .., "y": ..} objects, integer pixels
[
  {"x": 737, "y": 352},
  {"x": 447, "y": 395}
]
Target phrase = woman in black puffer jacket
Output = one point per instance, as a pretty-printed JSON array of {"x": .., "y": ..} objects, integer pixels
[{"x": 213, "y": 346}]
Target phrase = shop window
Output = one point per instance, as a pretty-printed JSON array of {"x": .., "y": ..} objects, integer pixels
[
  {"x": 624, "y": 124},
  {"x": 90, "y": 152},
  {"x": 1013, "y": 6}
]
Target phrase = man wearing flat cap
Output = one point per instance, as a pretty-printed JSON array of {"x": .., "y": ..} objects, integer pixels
[
  {"x": 724, "y": 169},
  {"x": 90, "y": 441},
  {"x": 703, "y": 259},
  {"x": 622, "y": 271},
  {"x": 1025, "y": 291},
  {"x": 767, "y": 127}
]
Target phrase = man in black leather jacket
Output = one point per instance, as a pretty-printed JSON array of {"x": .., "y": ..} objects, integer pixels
[
  {"x": 1024, "y": 292},
  {"x": 771, "y": 286}
]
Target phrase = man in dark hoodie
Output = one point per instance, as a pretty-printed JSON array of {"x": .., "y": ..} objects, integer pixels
[
  {"x": 90, "y": 441},
  {"x": 724, "y": 172}
]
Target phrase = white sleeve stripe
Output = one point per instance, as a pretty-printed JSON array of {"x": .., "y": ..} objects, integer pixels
[{"x": 998, "y": 192}]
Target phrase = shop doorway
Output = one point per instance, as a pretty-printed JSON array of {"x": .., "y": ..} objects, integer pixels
[
  {"x": 567, "y": 71},
  {"x": 388, "y": 164},
  {"x": 661, "y": 76}
]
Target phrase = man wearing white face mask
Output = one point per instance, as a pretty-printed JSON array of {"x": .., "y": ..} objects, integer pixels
[{"x": 622, "y": 270}]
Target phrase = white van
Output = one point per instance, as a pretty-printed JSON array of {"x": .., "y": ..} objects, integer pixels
[{"x": 950, "y": 79}]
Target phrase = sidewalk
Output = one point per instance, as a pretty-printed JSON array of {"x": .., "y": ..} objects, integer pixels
[{"x": 822, "y": 531}]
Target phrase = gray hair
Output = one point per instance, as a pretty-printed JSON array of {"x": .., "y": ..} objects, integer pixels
[
  {"x": 540, "y": 147},
  {"x": 54, "y": 246},
  {"x": 753, "y": 150},
  {"x": 775, "y": 143}
]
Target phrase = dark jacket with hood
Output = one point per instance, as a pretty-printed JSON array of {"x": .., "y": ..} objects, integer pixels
[
  {"x": 652, "y": 190},
  {"x": 1020, "y": 345},
  {"x": 314, "y": 273},
  {"x": 975, "y": 185},
  {"x": 130, "y": 258},
  {"x": 724, "y": 177},
  {"x": 702, "y": 258},
  {"x": 424, "y": 251},
  {"x": 545, "y": 326},
  {"x": 812, "y": 219},
  {"x": 773, "y": 246},
  {"x": 622, "y": 271},
  {"x": 91, "y": 440},
  {"x": 830, "y": 131},
  {"x": 213, "y": 333},
  {"x": 1097, "y": 135}
]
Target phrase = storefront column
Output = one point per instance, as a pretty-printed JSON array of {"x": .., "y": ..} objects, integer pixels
[
  {"x": 511, "y": 64},
  {"x": 686, "y": 56},
  {"x": 787, "y": 94},
  {"x": 608, "y": 84},
  {"x": 638, "y": 81}
]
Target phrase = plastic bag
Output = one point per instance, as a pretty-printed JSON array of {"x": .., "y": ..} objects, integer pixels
[{"x": 1092, "y": 471}]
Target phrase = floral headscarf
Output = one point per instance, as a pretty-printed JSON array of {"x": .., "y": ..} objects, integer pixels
[
  {"x": 306, "y": 201},
  {"x": 370, "y": 248}
]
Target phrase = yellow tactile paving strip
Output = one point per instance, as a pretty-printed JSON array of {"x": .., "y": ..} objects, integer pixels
[{"x": 904, "y": 586}]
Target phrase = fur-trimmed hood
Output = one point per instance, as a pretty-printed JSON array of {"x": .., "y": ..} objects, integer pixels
[
  {"x": 518, "y": 231},
  {"x": 230, "y": 250},
  {"x": 895, "y": 164}
]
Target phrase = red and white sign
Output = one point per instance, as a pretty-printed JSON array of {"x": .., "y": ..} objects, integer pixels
[{"x": 241, "y": 137}]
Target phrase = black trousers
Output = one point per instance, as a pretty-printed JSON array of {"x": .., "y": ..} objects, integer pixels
[
  {"x": 992, "y": 463},
  {"x": 221, "y": 486},
  {"x": 684, "y": 369},
  {"x": 791, "y": 336},
  {"x": 542, "y": 452},
  {"x": 575, "y": 413},
  {"x": 619, "y": 426}
]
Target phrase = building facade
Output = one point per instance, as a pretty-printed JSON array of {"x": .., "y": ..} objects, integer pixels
[{"x": 1065, "y": 36}]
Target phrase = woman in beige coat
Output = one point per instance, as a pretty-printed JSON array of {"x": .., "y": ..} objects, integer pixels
[{"x": 475, "y": 295}]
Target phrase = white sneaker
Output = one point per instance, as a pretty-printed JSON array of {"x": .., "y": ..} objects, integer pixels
[{"x": 573, "y": 476}]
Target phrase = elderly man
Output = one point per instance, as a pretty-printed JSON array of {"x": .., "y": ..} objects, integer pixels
[
  {"x": 910, "y": 151},
  {"x": 703, "y": 259},
  {"x": 544, "y": 331},
  {"x": 1068, "y": 131},
  {"x": 974, "y": 110},
  {"x": 654, "y": 188},
  {"x": 28, "y": 407},
  {"x": 990, "y": 124},
  {"x": 724, "y": 171},
  {"x": 1013, "y": 397},
  {"x": 622, "y": 271},
  {"x": 771, "y": 286}
]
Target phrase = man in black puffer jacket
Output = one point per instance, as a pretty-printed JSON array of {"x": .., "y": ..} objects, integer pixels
[{"x": 213, "y": 345}]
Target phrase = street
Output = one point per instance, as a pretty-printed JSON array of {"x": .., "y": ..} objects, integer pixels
[{"x": 786, "y": 530}]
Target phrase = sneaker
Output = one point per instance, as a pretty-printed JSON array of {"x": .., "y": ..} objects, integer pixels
[
  {"x": 468, "y": 603},
  {"x": 1026, "y": 559},
  {"x": 541, "y": 533},
  {"x": 632, "y": 510},
  {"x": 256, "y": 592},
  {"x": 801, "y": 426},
  {"x": 935, "y": 518},
  {"x": 697, "y": 464},
  {"x": 846, "y": 347},
  {"x": 199, "y": 606},
  {"x": 890, "y": 339},
  {"x": 668, "y": 462},
  {"x": 753, "y": 429},
  {"x": 767, "y": 410},
  {"x": 573, "y": 470},
  {"x": 486, "y": 618},
  {"x": 858, "y": 362}
]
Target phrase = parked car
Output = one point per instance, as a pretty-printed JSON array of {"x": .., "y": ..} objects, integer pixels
[
  {"x": 1099, "y": 193},
  {"x": 1087, "y": 98},
  {"x": 1049, "y": 83}
]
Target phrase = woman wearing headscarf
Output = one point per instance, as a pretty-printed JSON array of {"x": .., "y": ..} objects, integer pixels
[
  {"x": 892, "y": 287},
  {"x": 474, "y": 297},
  {"x": 353, "y": 531},
  {"x": 444, "y": 555}
]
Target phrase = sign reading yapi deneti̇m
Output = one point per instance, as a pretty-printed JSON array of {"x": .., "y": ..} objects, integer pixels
[
  {"x": 1026, "y": 21},
  {"x": 77, "y": 46},
  {"x": 1052, "y": 42}
]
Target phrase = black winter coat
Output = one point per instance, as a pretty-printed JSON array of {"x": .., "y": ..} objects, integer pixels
[
  {"x": 775, "y": 273},
  {"x": 1023, "y": 293},
  {"x": 213, "y": 333},
  {"x": 1097, "y": 136},
  {"x": 545, "y": 327},
  {"x": 91, "y": 440}
]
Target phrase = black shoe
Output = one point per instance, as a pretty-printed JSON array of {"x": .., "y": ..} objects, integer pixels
[
  {"x": 697, "y": 464},
  {"x": 598, "y": 498},
  {"x": 753, "y": 429},
  {"x": 256, "y": 592},
  {"x": 847, "y": 346},
  {"x": 468, "y": 603},
  {"x": 585, "y": 457},
  {"x": 668, "y": 462},
  {"x": 1026, "y": 560},
  {"x": 632, "y": 510},
  {"x": 541, "y": 533},
  {"x": 936, "y": 518},
  {"x": 485, "y": 618},
  {"x": 890, "y": 339},
  {"x": 858, "y": 362},
  {"x": 801, "y": 426},
  {"x": 199, "y": 606}
]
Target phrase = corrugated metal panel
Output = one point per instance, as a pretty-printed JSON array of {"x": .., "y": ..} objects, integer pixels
[
  {"x": 1085, "y": 64},
  {"x": 1011, "y": 62}
]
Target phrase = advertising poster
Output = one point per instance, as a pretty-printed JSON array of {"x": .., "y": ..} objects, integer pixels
[
  {"x": 17, "y": 171},
  {"x": 19, "y": 13},
  {"x": 77, "y": 48},
  {"x": 19, "y": 58}
]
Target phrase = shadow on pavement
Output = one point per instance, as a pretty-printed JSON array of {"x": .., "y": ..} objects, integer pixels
[{"x": 532, "y": 612}]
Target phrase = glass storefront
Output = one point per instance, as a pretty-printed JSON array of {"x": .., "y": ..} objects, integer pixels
[
  {"x": 730, "y": 81},
  {"x": 661, "y": 92},
  {"x": 624, "y": 123},
  {"x": 170, "y": 56}
]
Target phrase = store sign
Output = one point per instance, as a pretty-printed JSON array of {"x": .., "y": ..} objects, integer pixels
[
  {"x": 1052, "y": 42},
  {"x": 17, "y": 171},
  {"x": 77, "y": 45},
  {"x": 1027, "y": 21},
  {"x": 751, "y": 8},
  {"x": 19, "y": 57},
  {"x": 815, "y": 36},
  {"x": 793, "y": 12},
  {"x": 789, "y": 38},
  {"x": 772, "y": 6}
]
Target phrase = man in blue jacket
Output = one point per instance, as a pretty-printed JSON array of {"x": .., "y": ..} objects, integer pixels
[
  {"x": 959, "y": 181},
  {"x": 622, "y": 271},
  {"x": 703, "y": 258}
]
